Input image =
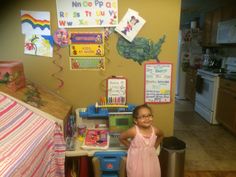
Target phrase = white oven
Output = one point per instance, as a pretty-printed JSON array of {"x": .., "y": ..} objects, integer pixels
[{"x": 206, "y": 95}]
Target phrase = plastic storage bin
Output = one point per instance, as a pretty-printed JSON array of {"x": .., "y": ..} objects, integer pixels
[
  {"x": 109, "y": 164},
  {"x": 172, "y": 157}
]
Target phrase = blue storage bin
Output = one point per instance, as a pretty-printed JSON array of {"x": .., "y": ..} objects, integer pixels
[
  {"x": 110, "y": 161},
  {"x": 110, "y": 175},
  {"x": 110, "y": 164}
]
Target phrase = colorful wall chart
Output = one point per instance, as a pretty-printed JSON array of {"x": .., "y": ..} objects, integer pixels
[
  {"x": 85, "y": 63},
  {"x": 86, "y": 44},
  {"x": 157, "y": 82},
  {"x": 116, "y": 90},
  {"x": 130, "y": 25},
  {"x": 81, "y": 13},
  {"x": 86, "y": 38},
  {"x": 86, "y": 50},
  {"x": 41, "y": 45},
  {"x": 35, "y": 22}
]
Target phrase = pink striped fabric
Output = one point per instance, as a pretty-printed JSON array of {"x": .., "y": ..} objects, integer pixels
[{"x": 30, "y": 145}]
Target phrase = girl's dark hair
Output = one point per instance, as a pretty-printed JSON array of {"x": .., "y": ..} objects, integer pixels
[{"x": 137, "y": 108}]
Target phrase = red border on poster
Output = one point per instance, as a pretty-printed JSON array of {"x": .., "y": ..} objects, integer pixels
[
  {"x": 118, "y": 95},
  {"x": 159, "y": 74}
]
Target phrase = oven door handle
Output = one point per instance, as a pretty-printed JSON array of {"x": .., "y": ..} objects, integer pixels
[{"x": 206, "y": 77}]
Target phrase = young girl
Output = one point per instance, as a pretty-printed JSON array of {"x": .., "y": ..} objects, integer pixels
[{"x": 142, "y": 159}]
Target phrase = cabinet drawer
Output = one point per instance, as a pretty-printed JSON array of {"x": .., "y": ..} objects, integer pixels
[
  {"x": 228, "y": 84},
  {"x": 226, "y": 113}
]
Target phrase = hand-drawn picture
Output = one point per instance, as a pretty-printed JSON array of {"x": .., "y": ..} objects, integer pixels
[
  {"x": 40, "y": 45},
  {"x": 35, "y": 22},
  {"x": 130, "y": 25}
]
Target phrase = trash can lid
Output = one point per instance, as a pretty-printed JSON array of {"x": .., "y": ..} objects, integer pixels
[{"x": 173, "y": 143}]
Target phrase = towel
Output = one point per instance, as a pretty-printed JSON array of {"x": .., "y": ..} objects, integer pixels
[{"x": 199, "y": 84}]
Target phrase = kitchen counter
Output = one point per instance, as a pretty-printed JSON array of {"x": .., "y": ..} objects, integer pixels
[{"x": 228, "y": 77}]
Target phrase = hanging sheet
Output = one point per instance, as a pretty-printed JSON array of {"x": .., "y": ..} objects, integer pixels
[{"x": 30, "y": 144}]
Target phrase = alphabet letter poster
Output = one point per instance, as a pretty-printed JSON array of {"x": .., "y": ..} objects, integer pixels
[{"x": 91, "y": 13}]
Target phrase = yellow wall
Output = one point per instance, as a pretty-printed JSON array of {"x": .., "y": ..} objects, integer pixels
[{"x": 85, "y": 87}]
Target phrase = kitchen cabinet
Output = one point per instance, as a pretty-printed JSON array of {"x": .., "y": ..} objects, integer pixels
[
  {"x": 211, "y": 23},
  {"x": 206, "y": 38},
  {"x": 210, "y": 27},
  {"x": 190, "y": 85},
  {"x": 228, "y": 13},
  {"x": 226, "y": 104}
]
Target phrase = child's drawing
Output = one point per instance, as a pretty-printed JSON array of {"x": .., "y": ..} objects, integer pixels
[
  {"x": 35, "y": 22},
  {"x": 40, "y": 45},
  {"x": 130, "y": 25}
]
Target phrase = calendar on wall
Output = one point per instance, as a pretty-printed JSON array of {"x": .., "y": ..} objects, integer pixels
[{"x": 157, "y": 83}]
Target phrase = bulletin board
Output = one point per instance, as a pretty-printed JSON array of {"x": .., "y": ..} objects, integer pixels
[
  {"x": 116, "y": 90},
  {"x": 157, "y": 83}
]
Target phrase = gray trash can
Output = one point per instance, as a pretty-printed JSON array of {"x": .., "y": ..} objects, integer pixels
[{"x": 172, "y": 157}]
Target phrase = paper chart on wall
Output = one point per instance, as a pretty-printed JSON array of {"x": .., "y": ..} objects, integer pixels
[
  {"x": 130, "y": 25},
  {"x": 116, "y": 90},
  {"x": 85, "y": 44},
  {"x": 35, "y": 22},
  {"x": 81, "y": 13},
  {"x": 158, "y": 82},
  {"x": 87, "y": 63}
]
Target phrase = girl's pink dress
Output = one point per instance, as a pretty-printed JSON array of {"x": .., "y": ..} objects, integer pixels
[{"x": 142, "y": 160}]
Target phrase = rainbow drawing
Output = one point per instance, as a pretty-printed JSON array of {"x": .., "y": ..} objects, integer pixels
[{"x": 33, "y": 22}]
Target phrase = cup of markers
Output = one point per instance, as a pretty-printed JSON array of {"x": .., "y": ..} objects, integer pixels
[
  {"x": 81, "y": 131},
  {"x": 116, "y": 100}
]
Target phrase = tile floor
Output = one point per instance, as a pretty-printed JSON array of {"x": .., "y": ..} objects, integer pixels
[{"x": 208, "y": 147}]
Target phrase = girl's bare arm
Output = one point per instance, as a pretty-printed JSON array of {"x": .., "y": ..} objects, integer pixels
[
  {"x": 125, "y": 136},
  {"x": 160, "y": 136}
]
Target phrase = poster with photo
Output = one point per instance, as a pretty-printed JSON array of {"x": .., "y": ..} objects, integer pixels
[
  {"x": 35, "y": 22},
  {"x": 157, "y": 82},
  {"x": 130, "y": 25},
  {"x": 81, "y": 13}
]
